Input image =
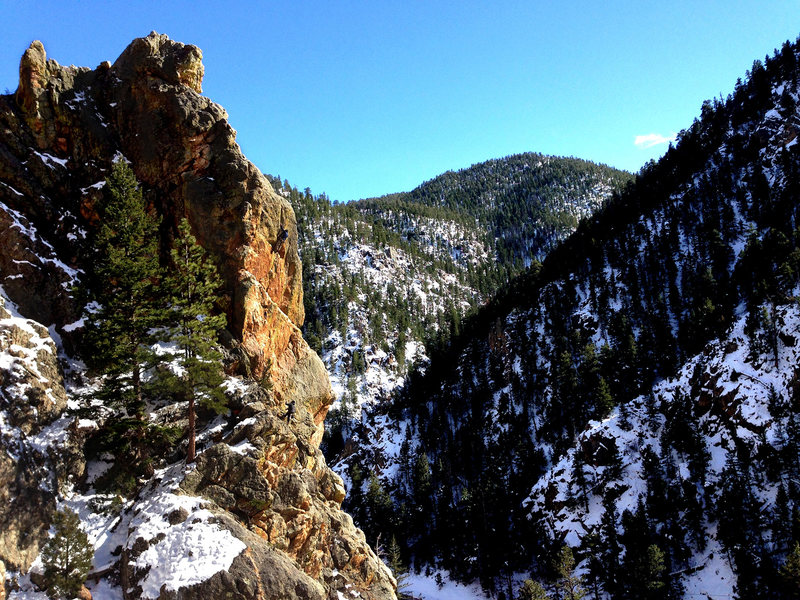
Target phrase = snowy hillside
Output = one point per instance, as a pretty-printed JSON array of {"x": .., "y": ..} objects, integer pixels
[
  {"x": 694, "y": 446},
  {"x": 388, "y": 279},
  {"x": 173, "y": 539},
  {"x": 182, "y": 544},
  {"x": 702, "y": 247},
  {"x": 173, "y": 536}
]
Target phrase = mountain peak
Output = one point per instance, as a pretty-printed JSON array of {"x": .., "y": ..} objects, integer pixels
[
  {"x": 33, "y": 76},
  {"x": 159, "y": 56}
]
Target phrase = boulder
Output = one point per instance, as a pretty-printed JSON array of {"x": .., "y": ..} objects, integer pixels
[
  {"x": 84, "y": 594},
  {"x": 294, "y": 511},
  {"x": 258, "y": 573},
  {"x": 158, "y": 56},
  {"x": 32, "y": 383}
]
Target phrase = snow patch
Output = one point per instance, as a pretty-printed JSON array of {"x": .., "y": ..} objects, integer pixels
[{"x": 51, "y": 161}]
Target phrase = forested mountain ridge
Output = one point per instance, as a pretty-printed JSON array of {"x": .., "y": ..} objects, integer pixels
[
  {"x": 697, "y": 259},
  {"x": 524, "y": 203},
  {"x": 388, "y": 279}
]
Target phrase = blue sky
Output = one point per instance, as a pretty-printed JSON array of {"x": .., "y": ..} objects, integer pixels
[{"x": 359, "y": 99}]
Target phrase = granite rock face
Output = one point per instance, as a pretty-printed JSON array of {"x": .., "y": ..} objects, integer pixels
[
  {"x": 269, "y": 490},
  {"x": 59, "y": 134},
  {"x": 32, "y": 397},
  {"x": 64, "y": 125},
  {"x": 281, "y": 487}
]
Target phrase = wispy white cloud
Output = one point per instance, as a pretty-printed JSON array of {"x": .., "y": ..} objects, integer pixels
[{"x": 653, "y": 139}]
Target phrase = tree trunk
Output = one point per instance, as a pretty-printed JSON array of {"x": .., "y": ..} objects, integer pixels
[
  {"x": 190, "y": 448},
  {"x": 137, "y": 389}
]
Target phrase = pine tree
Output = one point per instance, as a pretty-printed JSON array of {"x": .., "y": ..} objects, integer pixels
[
  {"x": 423, "y": 513},
  {"x": 652, "y": 571},
  {"x": 579, "y": 477},
  {"x": 532, "y": 590},
  {"x": 126, "y": 268},
  {"x": 568, "y": 582},
  {"x": 603, "y": 398},
  {"x": 399, "y": 570},
  {"x": 614, "y": 466},
  {"x": 592, "y": 543},
  {"x": 67, "y": 556},
  {"x": 380, "y": 513},
  {"x": 354, "y": 503},
  {"x": 611, "y": 548},
  {"x": 118, "y": 331},
  {"x": 191, "y": 287},
  {"x": 422, "y": 478},
  {"x": 790, "y": 573},
  {"x": 781, "y": 517}
]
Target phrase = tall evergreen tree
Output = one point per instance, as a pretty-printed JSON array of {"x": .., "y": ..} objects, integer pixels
[
  {"x": 593, "y": 545},
  {"x": 118, "y": 337},
  {"x": 67, "y": 556},
  {"x": 423, "y": 513},
  {"x": 399, "y": 569},
  {"x": 126, "y": 268},
  {"x": 651, "y": 571},
  {"x": 380, "y": 511},
  {"x": 611, "y": 548},
  {"x": 532, "y": 590},
  {"x": 568, "y": 582},
  {"x": 191, "y": 287},
  {"x": 790, "y": 573}
]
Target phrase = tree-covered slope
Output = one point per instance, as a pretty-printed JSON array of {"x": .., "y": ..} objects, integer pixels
[
  {"x": 523, "y": 203},
  {"x": 703, "y": 246},
  {"x": 387, "y": 280}
]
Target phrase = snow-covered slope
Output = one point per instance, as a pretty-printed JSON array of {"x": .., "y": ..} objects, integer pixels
[
  {"x": 702, "y": 247},
  {"x": 682, "y": 449},
  {"x": 172, "y": 538},
  {"x": 387, "y": 279},
  {"x": 190, "y": 530}
]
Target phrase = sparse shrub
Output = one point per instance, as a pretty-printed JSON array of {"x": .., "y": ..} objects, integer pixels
[{"x": 107, "y": 505}]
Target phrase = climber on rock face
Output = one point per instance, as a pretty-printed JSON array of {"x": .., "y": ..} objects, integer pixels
[
  {"x": 291, "y": 408},
  {"x": 282, "y": 237}
]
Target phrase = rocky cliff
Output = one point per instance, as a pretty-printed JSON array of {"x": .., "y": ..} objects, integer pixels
[
  {"x": 59, "y": 134},
  {"x": 31, "y": 387},
  {"x": 63, "y": 127}
]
